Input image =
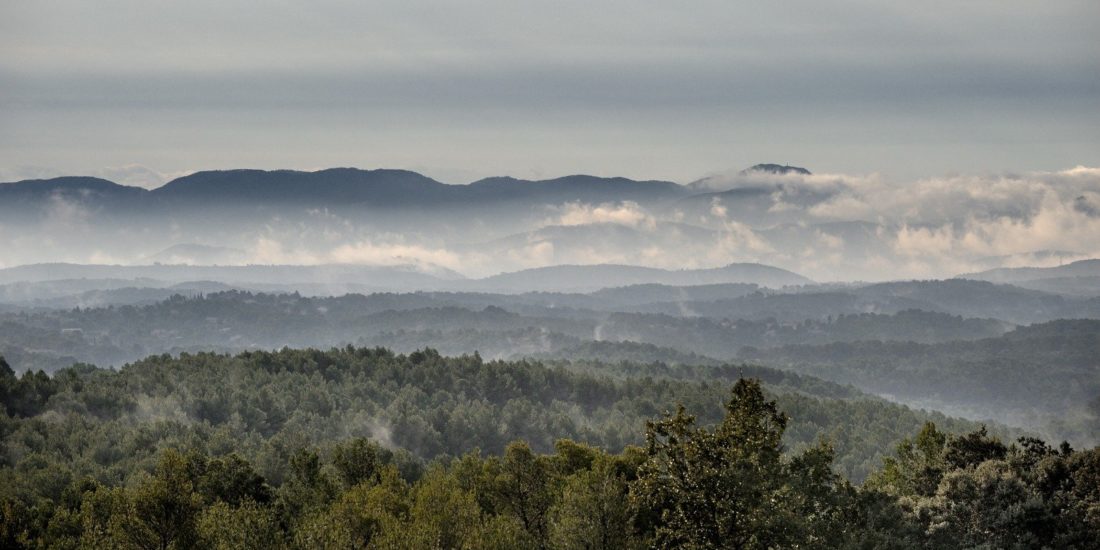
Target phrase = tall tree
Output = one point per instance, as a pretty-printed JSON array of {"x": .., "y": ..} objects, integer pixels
[{"x": 731, "y": 487}]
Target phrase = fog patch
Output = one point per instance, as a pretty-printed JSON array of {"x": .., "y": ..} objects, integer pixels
[
  {"x": 363, "y": 424},
  {"x": 151, "y": 409},
  {"x": 626, "y": 213}
]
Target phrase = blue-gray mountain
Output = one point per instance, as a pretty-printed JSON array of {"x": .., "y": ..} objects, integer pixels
[{"x": 335, "y": 187}]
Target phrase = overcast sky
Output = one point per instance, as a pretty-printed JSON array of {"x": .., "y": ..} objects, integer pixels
[{"x": 461, "y": 90}]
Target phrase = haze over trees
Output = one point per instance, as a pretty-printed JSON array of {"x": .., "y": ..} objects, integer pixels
[{"x": 980, "y": 368}]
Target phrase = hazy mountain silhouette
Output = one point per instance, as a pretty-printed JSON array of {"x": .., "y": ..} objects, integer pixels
[
  {"x": 1081, "y": 268},
  {"x": 593, "y": 277},
  {"x": 1080, "y": 278},
  {"x": 335, "y": 185},
  {"x": 28, "y": 199},
  {"x": 385, "y": 277},
  {"x": 67, "y": 184},
  {"x": 196, "y": 254},
  {"x": 401, "y": 277},
  {"x": 339, "y": 187}
]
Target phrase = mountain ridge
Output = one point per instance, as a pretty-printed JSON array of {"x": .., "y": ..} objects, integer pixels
[
  {"x": 1080, "y": 268},
  {"x": 573, "y": 277},
  {"x": 415, "y": 277}
]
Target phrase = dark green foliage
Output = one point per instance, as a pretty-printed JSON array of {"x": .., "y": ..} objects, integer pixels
[
  {"x": 25, "y": 396},
  {"x": 732, "y": 486},
  {"x": 232, "y": 480},
  {"x": 360, "y": 460},
  {"x": 973, "y": 449}
]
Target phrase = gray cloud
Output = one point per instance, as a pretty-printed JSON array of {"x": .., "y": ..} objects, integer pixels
[
  {"x": 648, "y": 89},
  {"x": 1088, "y": 204}
]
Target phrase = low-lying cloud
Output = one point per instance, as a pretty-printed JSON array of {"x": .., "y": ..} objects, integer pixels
[
  {"x": 825, "y": 226},
  {"x": 627, "y": 213}
]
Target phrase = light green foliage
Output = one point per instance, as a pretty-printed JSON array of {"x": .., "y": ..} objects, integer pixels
[
  {"x": 591, "y": 512},
  {"x": 987, "y": 505},
  {"x": 161, "y": 512},
  {"x": 361, "y": 516},
  {"x": 443, "y": 515},
  {"x": 522, "y": 485},
  {"x": 918, "y": 466},
  {"x": 500, "y": 533},
  {"x": 246, "y": 526},
  {"x": 972, "y": 491}
]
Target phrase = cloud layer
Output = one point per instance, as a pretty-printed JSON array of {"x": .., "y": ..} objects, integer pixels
[
  {"x": 464, "y": 90},
  {"x": 825, "y": 226}
]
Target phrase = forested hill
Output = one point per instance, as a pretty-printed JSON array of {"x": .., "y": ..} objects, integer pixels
[
  {"x": 433, "y": 405},
  {"x": 1045, "y": 375},
  {"x": 1042, "y": 377},
  {"x": 499, "y": 326},
  {"x": 304, "y": 449}
]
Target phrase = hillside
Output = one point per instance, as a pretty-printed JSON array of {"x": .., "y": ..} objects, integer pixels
[
  {"x": 1044, "y": 376},
  {"x": 1081, "y": 268}
]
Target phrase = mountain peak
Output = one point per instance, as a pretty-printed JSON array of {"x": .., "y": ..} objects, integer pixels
[{"x": 780, "y": 169}]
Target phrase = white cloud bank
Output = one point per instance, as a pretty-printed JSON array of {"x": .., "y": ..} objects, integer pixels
[
  {"x": 627, "y": 213},
  {"x": 932, "y": 227}
]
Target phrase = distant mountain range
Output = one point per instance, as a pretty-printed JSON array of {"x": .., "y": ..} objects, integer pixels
[
  {"x": 766, "y": 214},
  {"x": 1082, "y": 268},
  {"x": 335, "y": 186},
  {"x": 581, "y": 278},
  {"x": 342, "y": 278},
  {"x": 353, "y": 187},
  {"x": 196, "y": 254},
  {"x": 406, "y": 277},
  {"x": 1077, "y": 278}
]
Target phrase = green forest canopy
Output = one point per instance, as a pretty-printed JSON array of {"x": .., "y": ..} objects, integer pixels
[{"x": 258, "y": 451}]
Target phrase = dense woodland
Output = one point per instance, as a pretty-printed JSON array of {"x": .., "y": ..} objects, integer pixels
[
  {"x": 451, "y": 322},
  {"x": 355, "y": 448},
  {"x": 1041, "y": 377},
  {"x": 552, "y": 420}
]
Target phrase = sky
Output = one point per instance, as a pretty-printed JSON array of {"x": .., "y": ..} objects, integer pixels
[{"x": 143, "y": 91}]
